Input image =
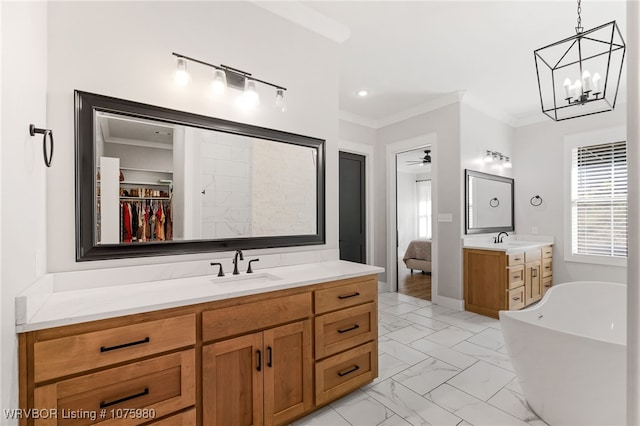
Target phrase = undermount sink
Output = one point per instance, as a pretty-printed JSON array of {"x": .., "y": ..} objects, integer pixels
[{"x": 246, "y": 278}]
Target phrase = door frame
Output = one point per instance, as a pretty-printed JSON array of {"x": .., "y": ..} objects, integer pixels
[
  {"x": 366, "y": 151},
  {"x": 392, "y": 208}
]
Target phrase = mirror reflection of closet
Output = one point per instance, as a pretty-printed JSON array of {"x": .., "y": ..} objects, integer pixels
[{"x": 154, "y": 181}]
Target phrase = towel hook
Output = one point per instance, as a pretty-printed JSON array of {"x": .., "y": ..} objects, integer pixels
[
  {"x": 535, "y": 201},
  {"x": 46, "y": 132},
  {"x": 494, "y": 202}
]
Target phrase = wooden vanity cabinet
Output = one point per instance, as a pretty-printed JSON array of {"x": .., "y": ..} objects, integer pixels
[
  {"x": 495, "y": 281},
  {"x": 264, "y": 377},
  {"x": 245, "y": 361}
]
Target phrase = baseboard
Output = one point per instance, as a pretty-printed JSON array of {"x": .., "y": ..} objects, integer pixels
[{"x": 448, "y": 302}]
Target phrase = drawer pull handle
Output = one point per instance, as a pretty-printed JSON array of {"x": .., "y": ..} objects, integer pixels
[
  {"x": 270, "y": 362},
  {"x": 515, "y": 299},
  {"x": 259, "y": 354},
  {"x": 547, "y": 285},
  {"x": 126, "y": 398},
  {"x": 344, "y": 330},
  {"x": 124, "y": 345},
  {"x": 351, "y": 370},
  {"x": 346, "y": 296}
]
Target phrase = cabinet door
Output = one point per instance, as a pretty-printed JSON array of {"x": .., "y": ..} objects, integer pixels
[
  {"x": 232, "y": 381},
  {"x": 288, "y": 367},
  {"x": 533, "y": 282}
]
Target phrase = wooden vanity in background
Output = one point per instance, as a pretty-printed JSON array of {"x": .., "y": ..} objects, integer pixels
[
  {"x": 267, "y": 358},
  {"x": 496, "y": 280}
]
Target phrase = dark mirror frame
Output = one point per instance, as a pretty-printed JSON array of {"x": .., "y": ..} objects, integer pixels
[
  {"x": 86, "y": 104},
  {"x": 471, "y": 173}
]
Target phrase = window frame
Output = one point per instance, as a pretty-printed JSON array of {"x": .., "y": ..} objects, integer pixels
[{"x": 571, "y": 142}]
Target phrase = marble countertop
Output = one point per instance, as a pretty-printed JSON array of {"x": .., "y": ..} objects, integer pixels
[
  {"x": 76, "y": 306},
  {"x": 510, "y": 245}
]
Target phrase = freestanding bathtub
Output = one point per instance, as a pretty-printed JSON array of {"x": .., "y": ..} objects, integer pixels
[{"x": 569, "y": 353}]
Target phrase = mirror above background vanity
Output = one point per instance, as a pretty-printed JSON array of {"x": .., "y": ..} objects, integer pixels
[
  {"x": 154, "y": 181},
  {"x": 488, "y": 203}
]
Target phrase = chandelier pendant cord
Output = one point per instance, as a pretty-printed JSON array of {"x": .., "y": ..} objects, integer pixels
[{"x": 579, "y": 28}]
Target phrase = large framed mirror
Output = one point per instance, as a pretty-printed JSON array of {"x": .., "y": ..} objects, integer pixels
[
  {"x": 153, "y": 181},
  {"x": 488, "y": 203}
]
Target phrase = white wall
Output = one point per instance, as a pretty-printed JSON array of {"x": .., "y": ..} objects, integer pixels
[
  {"x": 538, "y": 167},
  {"x": 481, "y": 132},
  {"x": 23, "y": 82},
  {"x": 445, "y": 123},
  {"x": 353, "y": 132},
  {"x": 134, "y": 62}
]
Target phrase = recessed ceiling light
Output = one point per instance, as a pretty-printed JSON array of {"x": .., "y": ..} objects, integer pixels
[{"x": 363, "y": 93}]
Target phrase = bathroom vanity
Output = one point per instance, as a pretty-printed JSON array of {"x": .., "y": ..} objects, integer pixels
[
  {"x": 506, "y": 276},
  {"x": 262, "y": 348}
]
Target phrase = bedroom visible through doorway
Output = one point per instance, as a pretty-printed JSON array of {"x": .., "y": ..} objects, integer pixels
[{"x": 414, "y": 232}]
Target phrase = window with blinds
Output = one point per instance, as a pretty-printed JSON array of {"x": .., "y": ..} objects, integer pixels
[{"x": 599, "y": 200}]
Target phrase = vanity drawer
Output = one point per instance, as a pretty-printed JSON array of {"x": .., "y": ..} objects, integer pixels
[
  {"x": 515, "y": 298},
  {"x": 75, "y": 354},
  {"x": 547, "y": 267},
  {"x": 547, "y": 252},
  {"x": 516, "y": 276},
  {"x": 344, "y": 296},
  {"x": 546, "y": 284},
  {"x": 532, "y": 255},
  {"x": 344, "y": 329},
  {"x": 345, "y": 372},
  {"x": 187, "y": 418},
  {"x": 515, "y": 259},
  {"x": 164, "y": 384},
  {"x": 247, "y": 317}
]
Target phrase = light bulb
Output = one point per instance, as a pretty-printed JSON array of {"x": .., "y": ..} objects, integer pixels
[
  {"x": 596, "y": 82},
  {"x": 280, "y": 102},
  {"x": 567, "y": 88},
  {"x": 219, "y": 83},
  {"x": 182, "y": 76},
  {"x": 250, "y": 97},
  {"x": 488, "y": 157},
  {"x": 507, "y": 163},
  {"x": 577, "y": 89},
  {"x": 586, "y": 81}
]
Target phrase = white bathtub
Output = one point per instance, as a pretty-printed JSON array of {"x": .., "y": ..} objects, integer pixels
[{"x": 569, "y": 353}]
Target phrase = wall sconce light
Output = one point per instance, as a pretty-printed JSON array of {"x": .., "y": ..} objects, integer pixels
[
  {"x": 225, "y": 76},
  {"x": 492, "y": 156}
]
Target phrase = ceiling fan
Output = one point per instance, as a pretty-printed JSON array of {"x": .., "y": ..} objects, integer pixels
[{"x": 425, "y": 160}]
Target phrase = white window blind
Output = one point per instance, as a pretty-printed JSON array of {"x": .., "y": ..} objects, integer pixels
[
  {"x": 423, "y": 189},
  {"x": 599, "y": 200}
]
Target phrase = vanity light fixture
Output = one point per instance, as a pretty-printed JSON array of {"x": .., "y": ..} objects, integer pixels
[
  {"x": 182, "y": 75},
  {"x": 580, "y": 75},
  {"x": 225, "y": 76},
  {"x": 492, "y": 156}
]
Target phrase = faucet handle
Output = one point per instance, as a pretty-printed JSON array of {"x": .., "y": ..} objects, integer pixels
[
  {"x": 249, "y": 270},
  {"x": 220, "y": 271}
]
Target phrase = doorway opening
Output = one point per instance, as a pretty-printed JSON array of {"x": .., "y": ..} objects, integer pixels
[{"x": 414, "y": 222}]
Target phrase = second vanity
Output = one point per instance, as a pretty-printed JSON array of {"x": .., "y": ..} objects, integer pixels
[
  {"x": 506, "y": 276},
  {"x": 263, "y": 348}
]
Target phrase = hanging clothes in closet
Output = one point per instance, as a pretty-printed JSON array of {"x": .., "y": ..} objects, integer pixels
[{"x": 145, "y": 220}]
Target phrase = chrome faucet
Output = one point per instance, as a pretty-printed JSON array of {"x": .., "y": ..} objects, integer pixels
[
  {"x": 235, "y": 261},
  {"x": 500, "y": 237}
]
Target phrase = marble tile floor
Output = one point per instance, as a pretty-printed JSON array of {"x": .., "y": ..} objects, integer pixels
[{"x": 437, "y": 366}]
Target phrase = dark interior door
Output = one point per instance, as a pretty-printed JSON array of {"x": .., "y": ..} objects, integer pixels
[{"x": 352, "y": 208}]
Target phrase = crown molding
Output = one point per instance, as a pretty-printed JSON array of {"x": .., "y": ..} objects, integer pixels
[
  {"x": 308, "y": 18},
  {"x": 358, "y": 119},
  {"x": 480, "y": 105}
]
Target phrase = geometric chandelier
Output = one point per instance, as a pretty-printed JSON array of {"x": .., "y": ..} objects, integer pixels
[
  {"x": 224, "y": 76},
  {"x": 580, "y": 75}
]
